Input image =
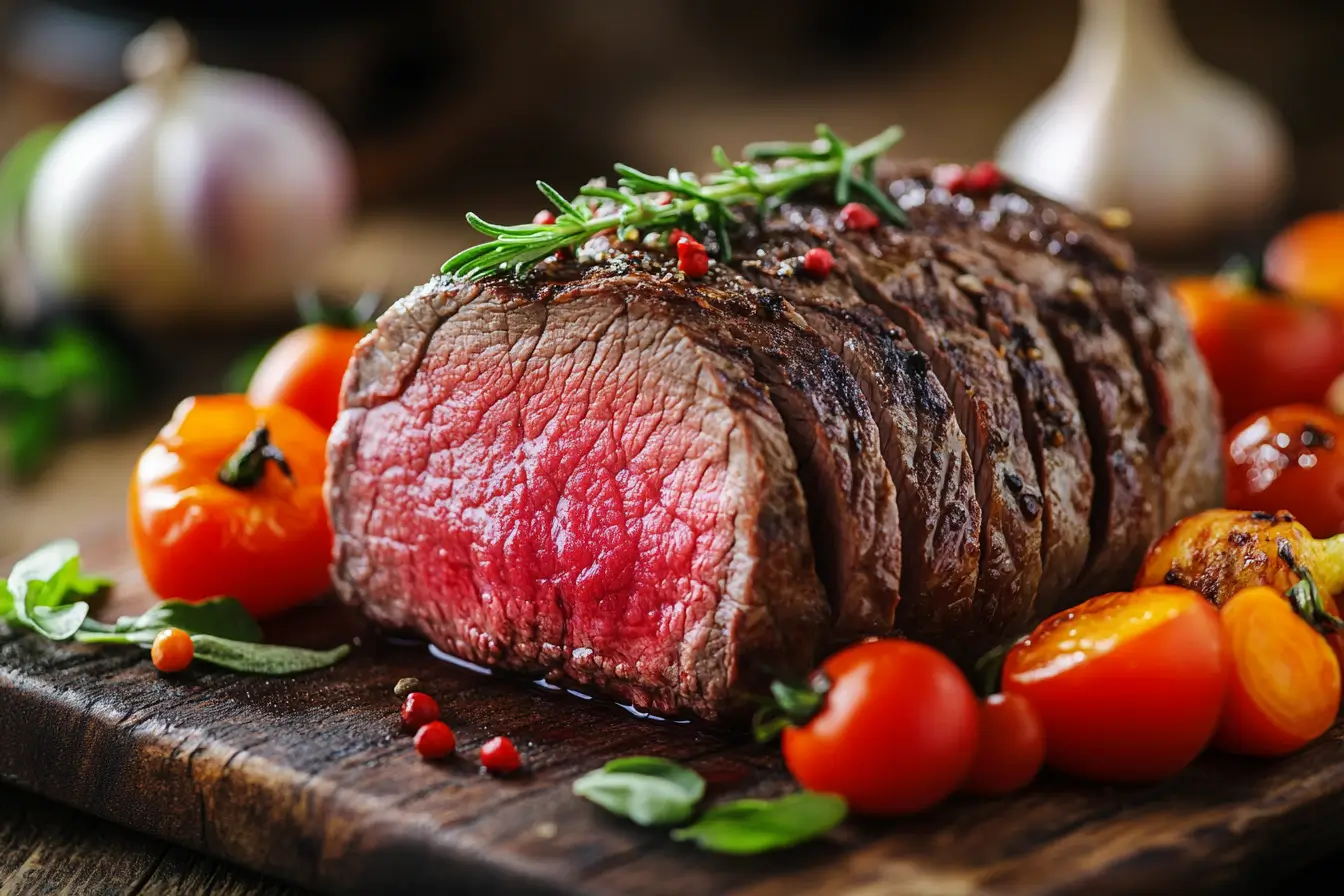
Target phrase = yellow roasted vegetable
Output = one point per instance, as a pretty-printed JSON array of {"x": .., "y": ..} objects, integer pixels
[{"x": 1221, "y": 552}]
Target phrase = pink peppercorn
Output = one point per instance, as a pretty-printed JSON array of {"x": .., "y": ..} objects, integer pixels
[
  {"x": 857, "y": 216},
  {"x": 818, "y": 262}
]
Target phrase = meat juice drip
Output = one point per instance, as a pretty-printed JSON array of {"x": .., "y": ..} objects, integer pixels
[{"x": 543, "y": 684}]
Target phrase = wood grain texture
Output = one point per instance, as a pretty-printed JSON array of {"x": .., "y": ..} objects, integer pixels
[
  {"x": 312, "y": 780},
  {"x": 49, "y": 849}
]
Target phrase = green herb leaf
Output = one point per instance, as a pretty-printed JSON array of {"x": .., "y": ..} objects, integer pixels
[
  {"x": 59, "y": 623},
  {"x": 55, "y": 564},
  {"x": 713, "y": 201},
  {"x": 223, "y": 617},
  {"x": 747, "y": 827},
  {"x": 40, "y": 583},
  {"x": 645, "y": 789},
  {"x": 264, "y": 659}
]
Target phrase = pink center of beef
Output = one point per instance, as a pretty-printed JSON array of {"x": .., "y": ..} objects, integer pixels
[{"x": 544, "y": 478}]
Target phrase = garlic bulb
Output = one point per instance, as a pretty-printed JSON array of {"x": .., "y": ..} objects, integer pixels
[
  {"x": 1136, "y": 121},
  {"x": 194, "y": 193}
]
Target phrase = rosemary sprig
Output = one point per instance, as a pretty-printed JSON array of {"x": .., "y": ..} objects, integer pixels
[{"x": 771, "y": 173}]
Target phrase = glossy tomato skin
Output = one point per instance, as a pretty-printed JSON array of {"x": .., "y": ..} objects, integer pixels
[
  {"x": 1262, "y": 351},
  {"x": 1285, "y": 683},
  {"x": 268, "y": 545},
  {"x": 1290, "y": 458},
  {"x": 1129, "y": 686},
  {"x": 1306, "y": 260},
  {"x": 304, "y": 371},
  {"x": 1011, "y": 748},
  {"x": 897, "y": 733}
]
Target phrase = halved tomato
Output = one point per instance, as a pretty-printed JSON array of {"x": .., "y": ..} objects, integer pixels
[{"x": 1129, "y": 686}]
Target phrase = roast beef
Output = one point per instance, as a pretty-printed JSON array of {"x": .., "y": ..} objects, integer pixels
[{"x": 673, "y": 489}]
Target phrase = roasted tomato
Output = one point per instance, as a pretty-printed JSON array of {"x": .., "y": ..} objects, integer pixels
[
  {"x": 1011, "y": 749},
  {"x": 304, "y": 370},
  {"x": 1221, "y": 552},
  {"x": 891, "y": 726},
  {"x": 1307, "y": 258},
  {"x": 1284, "y": 691},
  {"x": 1129, "y": 686},
  {"x": 1290, "y": 458},
  {"x": 228, "y": 501},
  {"x": 1262, "y": 350}
]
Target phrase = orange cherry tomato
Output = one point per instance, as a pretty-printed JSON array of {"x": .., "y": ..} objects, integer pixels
[
  {"x": 1285, "y": 682},
  {"x": 1129, "y": 686},
  {"x": 304, "y": 370},
  {"x": 172, "y": 650},
  {"x": 896, "y": 732},
  {"x": 1290, "y": 458},
  {"x": 266, "y": 539},
  {"x": 1307, "y": 258},
  {"x": 1262, "y": 350},
  {"x": 1011, "y": 749}
]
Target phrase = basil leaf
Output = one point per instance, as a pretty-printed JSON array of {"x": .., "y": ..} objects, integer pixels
[
  {"x": 747, "y": 827},
  {"x": 264, "y": 659},
  {"x": 223, "y": 617},
  {"x": 55, "y": 565},
  {"x": 6, "y": 604},
  {"x": 59, "y": 623},
  {"x": 645, "y": 789},
  {"x": 90, "y": 585}
]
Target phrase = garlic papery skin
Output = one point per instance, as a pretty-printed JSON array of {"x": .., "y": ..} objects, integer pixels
[
  {"x": 1137, "y": 122},
  {"x": 194, "y": 194}
]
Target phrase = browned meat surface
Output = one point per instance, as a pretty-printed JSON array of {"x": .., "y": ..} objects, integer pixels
[{"x": 671, "y": 489}]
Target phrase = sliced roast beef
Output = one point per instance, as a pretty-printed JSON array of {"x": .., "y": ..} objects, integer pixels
[
  {"x": 562, "y": 479},
  {"x": 850, "y": 494},
  {"x": 900, "y": 273},
  {"x": 1139, "y": 308},
  {"x": 672, "y": 488},
  {"x": 1031, "y": 241},
  {"x": 921, "y": 441}
]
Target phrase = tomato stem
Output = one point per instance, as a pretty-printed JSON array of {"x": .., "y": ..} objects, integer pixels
[
  {"x": 988, "y": 670},
  {"x": 247, "y": 465},
  {"x": 790, "y": 704},
  {"x": 313, "y": 310},
  {"x": 1305, "y": 596}
]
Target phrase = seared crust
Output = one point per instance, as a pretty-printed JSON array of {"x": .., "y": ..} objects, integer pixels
[
  {"x": 899, "y": 272},
  {"x": 921, "y": 441}
]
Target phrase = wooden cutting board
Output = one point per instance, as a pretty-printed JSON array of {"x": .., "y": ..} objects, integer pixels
[{"x": 310, "y": 779}]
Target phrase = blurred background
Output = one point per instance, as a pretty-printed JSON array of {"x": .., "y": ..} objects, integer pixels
[{"x": 152, "y": 251}]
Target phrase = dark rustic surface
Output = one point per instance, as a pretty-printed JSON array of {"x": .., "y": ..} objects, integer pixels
[
  {"x": 48, "y": 849},
  {"x": 309, "y": 779}
]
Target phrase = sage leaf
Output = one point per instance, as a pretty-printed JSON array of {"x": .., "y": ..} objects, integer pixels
[
  {"x": 223, "y": 617},
  {"x": 748, "y": 827},
  {"x": 645, "y": 789},
  {"x": 264, "y": 659}
]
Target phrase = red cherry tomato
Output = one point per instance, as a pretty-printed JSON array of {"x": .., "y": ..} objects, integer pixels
[
  {"x": 1262, "y": 350},
  {"x": 1011, "y": 749},
  {"x": 304, "y": 371},
  {"x": 1129, "y": 686},
  {"x": 1290, "y": 458},
  {"x": 896, "y": 733}
]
